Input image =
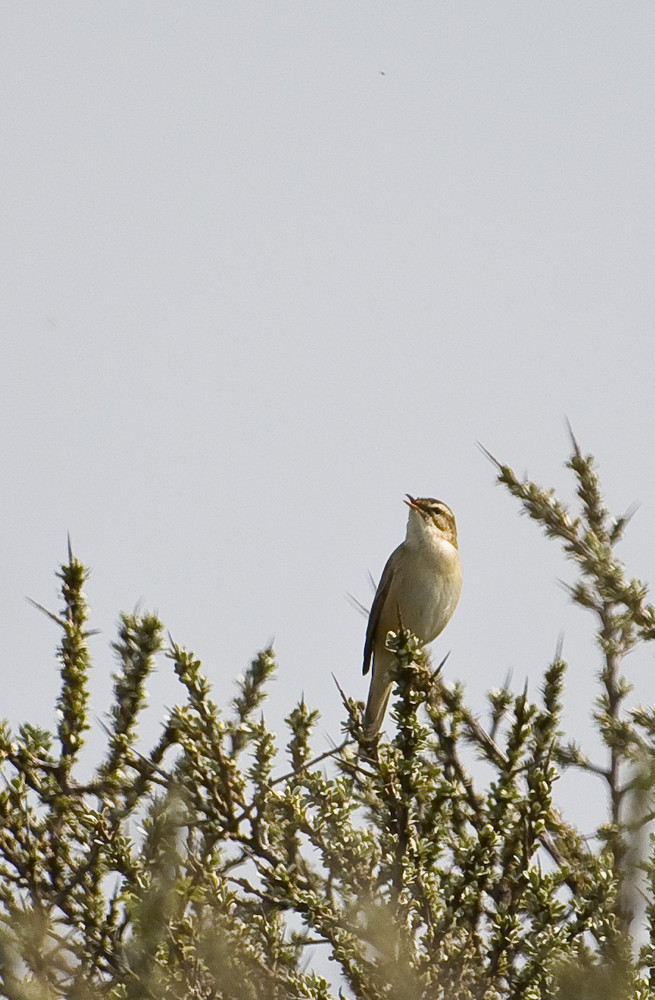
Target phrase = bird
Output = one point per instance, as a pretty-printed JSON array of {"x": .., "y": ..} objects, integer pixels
[{"x": 418, "y": 591}]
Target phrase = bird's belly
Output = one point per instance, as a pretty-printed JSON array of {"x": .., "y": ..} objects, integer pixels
[{"x": 427, "y": 601}]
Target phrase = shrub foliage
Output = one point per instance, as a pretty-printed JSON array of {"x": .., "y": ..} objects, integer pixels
[{"x": 434, "y": 865}]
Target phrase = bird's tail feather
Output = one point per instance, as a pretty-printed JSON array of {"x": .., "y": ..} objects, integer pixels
[{"x": 376, "y": 706}]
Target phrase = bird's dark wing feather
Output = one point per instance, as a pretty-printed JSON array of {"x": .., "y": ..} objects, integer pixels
[{"x": 376, "y": 611}]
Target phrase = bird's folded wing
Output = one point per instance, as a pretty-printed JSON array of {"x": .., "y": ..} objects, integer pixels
[{"x": 376, "y": 612}]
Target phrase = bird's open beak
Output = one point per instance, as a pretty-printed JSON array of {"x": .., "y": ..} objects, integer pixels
[{"x": 412, "y": 502}]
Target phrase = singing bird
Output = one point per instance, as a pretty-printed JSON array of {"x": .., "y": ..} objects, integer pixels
[{"x": 418, "y": 590}]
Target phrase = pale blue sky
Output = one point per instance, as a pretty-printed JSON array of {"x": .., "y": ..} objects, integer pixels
[{"x": 268, "y": 266}]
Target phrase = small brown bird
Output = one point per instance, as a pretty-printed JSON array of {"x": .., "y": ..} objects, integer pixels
[{"x": 418, "y": 590}]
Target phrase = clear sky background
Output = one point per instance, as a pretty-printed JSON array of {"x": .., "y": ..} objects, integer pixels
[{"x": 268, "y": 266}]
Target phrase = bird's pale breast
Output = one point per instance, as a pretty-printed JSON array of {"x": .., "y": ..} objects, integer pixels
[{"x": 425, "y": 597}]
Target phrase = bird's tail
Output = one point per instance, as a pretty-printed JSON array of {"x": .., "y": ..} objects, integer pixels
[{"x": 376, "y": 706}]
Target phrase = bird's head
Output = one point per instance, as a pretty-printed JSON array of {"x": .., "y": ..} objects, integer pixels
[{"x": 430, "y": 517}]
